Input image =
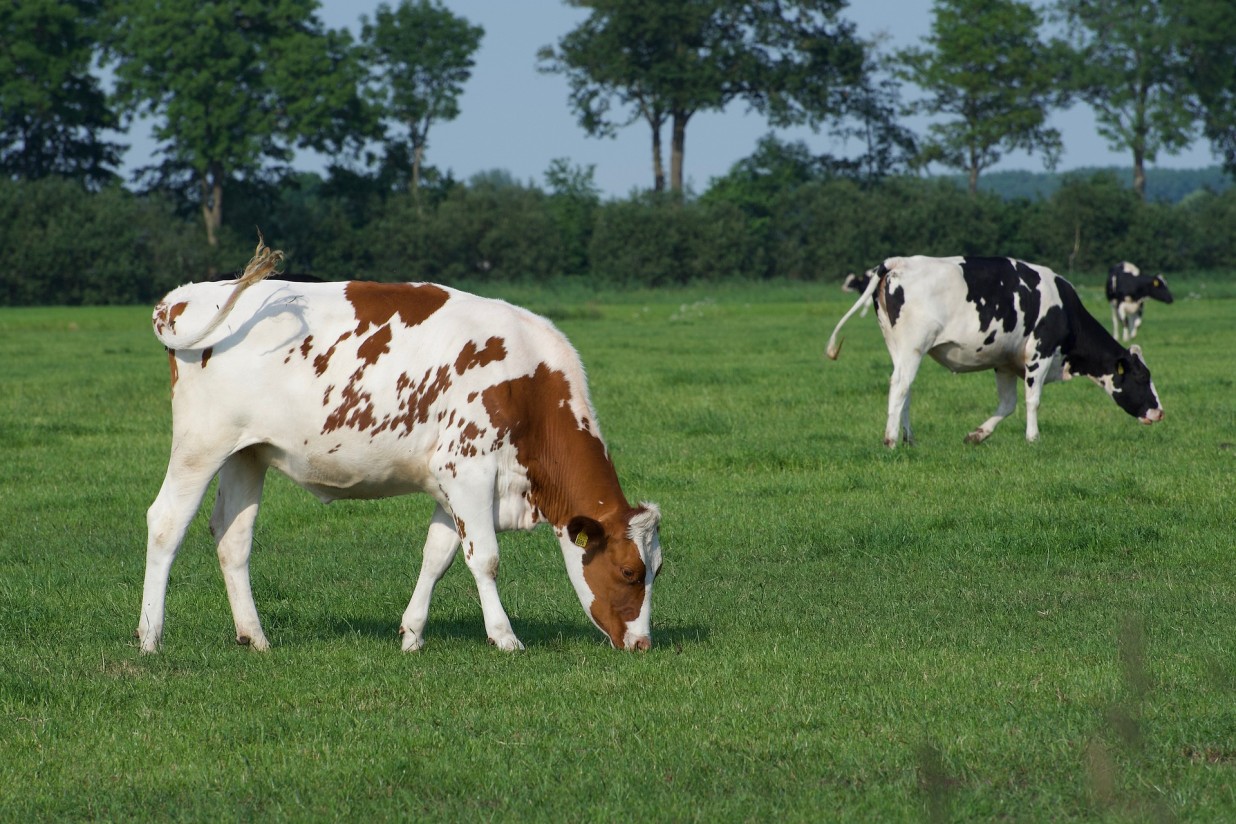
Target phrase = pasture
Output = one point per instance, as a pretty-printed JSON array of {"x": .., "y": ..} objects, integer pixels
[{"x": 1029, "y": 632}]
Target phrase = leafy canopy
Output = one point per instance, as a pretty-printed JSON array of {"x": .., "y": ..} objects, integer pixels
[
  {"x": 988, "y": 71},
  {"x": 53, "y": 114}
]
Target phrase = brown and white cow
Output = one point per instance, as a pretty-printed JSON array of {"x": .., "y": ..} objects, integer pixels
[
  {"x": 1019, "y": 319},
  {"x": 368, "y": 390}
]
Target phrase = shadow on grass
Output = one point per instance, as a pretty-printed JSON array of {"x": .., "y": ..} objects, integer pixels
[{"x": 531, "y": 631}]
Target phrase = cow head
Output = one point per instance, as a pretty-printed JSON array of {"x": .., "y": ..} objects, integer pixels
[
  {"x": 1159, "y": 290},
  {"x": 612, "y": 564},
  {"x": 1131, "y": 388}
]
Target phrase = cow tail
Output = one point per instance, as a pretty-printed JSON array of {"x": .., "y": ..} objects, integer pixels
[
  {"x": 834, "y": 344},
  {"x": 265, "y": 262}
]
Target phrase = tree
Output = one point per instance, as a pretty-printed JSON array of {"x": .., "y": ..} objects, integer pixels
[
  {"x": 1131, "y": 70},
  {"x": 665, "y": 60},
  {"x": 1209, "y": 54},
  {"x": 422, "y": 56},
  {"x": 236, "y": 85},
  {"x": 52, "y": 111},
  {"x": 988, "y": 70}
]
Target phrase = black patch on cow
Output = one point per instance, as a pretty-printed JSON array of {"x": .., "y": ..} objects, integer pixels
[
  {"x": 894, "y": 299},
  {"x": 890, "y": 301},
  {"x": 990, "y": 339},
  {"x": 1004, "y": 292}
]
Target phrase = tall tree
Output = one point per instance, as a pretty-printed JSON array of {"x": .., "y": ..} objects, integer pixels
[
  {"x": 665, "y": 60},
  {"x": 987, "y": 69},
  {"x": 53, "y": 113},
  {"x": 1131, "y": 71},
  {"x": 1209, "y": 53},
  {"x": 236, "y": 86},
  {"x": 421, "y": 54}
]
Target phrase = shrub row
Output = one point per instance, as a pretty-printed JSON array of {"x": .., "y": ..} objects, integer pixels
[{"x": 63, "y": 245}]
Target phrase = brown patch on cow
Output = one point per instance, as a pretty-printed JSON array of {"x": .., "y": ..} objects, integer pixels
[
  {"x": 165, "y": 316},
  {"x": 471, "y": 357},
  {"x": 375, "y": 346},
  {"x": 374, "y": 304},
  {"x": 570, "y": 474},
  {"x": 569, "y": 470},
  {"x": 417, "y": 401},
  {"x": 174, "y": 366},
  {"x": 355, "y": 408},
  {"x": 322, "y": 361},
  {"x": 206, "y": 353},
  {"x": 468, "y": 438},
  {"x": 306, "y": 346}
]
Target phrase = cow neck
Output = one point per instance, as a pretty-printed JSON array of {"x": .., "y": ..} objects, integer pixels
[
  {"x": 1093, "y": 352},
  {"x": 568, "y": 467}
]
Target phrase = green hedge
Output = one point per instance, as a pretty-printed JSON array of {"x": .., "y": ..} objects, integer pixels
[{"x": 62, "y": 244}]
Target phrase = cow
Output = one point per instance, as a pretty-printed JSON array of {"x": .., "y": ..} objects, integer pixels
[
  {"x": 858, "y": 283},
  {"x": 1127, "y": 292},
  {"x": 359, "y": 390},
  {"x": 1019, "y": 319}
]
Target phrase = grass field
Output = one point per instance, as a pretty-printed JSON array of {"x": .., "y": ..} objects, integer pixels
[{"x": 1039, "y": 632}]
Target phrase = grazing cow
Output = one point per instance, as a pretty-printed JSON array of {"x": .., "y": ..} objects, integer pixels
[
  {"x": 1022, "y": 320},
  {"x": 1127, "y": 292},
  {"x": 368, "y": 390},
  {"x": 858, "y": 283}
]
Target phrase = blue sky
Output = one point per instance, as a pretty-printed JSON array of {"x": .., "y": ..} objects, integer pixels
[{"x": 514, "y": 118}]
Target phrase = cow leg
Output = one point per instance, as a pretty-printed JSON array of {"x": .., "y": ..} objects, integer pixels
[
  {"x": 1036, "y": 376},
  {"x": 473, "y": 509},
  {"x": 231, "y": 522},
  {"x": 441, "y": 543},
  {"x": 167, "y": 520},
  {"x": 1116, "y": 320},
  {"x": 1135, "y": 323},
  {"x": 905, "y": 367},
  {"x": 1006, "y": 392}
]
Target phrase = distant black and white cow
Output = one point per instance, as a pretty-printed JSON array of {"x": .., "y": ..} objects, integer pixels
[
  {"x": 367, "y": 390},
  {"x": 858, "y": 283},
  {"x": 1127, "y": 292},
  {"x": 1022, "y": 320}
]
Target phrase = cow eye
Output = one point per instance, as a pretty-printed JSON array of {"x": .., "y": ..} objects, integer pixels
[{"x": 628, "y": 574}]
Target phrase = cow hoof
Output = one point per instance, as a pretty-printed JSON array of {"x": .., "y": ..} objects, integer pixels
[
  {"x": 977, "y": 436},
  {"x": 507, "y": 643},
  {"x": 257, "y": 643},
  {"x": 412, "y": 642}
]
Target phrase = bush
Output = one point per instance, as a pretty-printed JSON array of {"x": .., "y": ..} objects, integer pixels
[{"x": 63, "y": 245}]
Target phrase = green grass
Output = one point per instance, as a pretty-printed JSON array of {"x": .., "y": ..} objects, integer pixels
[{"x": 1028, "y": 632}]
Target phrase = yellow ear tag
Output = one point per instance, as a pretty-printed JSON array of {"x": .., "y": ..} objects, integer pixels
[
  {"x": 1119, "y": 371},
  {"x": 581, "y": 540}
]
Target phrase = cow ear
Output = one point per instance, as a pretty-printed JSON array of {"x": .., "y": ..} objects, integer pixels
[
  {"x": 586, "y": 534},
  {"x": 1136, "y": 351}
]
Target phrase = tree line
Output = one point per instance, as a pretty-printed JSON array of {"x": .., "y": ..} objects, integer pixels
[
  {"x": 774, "y": 216},
  {"x": 234, "y": 88}
]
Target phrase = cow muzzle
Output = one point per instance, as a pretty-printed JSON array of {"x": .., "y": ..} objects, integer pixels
[
  {"x": 636, "y": 643},
  {"x": 1153, "y": 416}
]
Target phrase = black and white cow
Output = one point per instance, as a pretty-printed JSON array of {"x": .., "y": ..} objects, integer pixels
[
  {"x": 858, "y": 284},
  {"x": 977, "y": 313},
  {"x": 1127, "y": 292}
]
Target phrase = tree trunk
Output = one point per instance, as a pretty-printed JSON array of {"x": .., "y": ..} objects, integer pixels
[
  {"x": 212, "y": 206},
  {"x": 414, "y": 185},
  {"x": 1139, "y": 172},
  {"x": 658, "y": 170},
  {"x": 677, "y": 151}
]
